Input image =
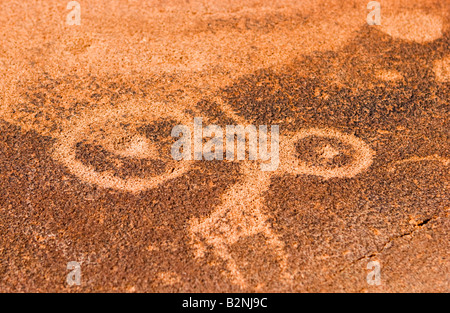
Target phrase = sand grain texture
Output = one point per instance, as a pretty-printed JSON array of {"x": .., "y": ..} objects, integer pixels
[{"x": 86, "y": 175}]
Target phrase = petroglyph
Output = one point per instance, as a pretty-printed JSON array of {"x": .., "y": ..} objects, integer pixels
[
  {"x": 240, "y": 214},
  {"x": 211, "y": 62},
  {"x": 290, "y": 163},
  {"x": 103, "y": 127}
]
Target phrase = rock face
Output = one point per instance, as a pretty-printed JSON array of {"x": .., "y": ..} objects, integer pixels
[{"x": 86, "y": 172}]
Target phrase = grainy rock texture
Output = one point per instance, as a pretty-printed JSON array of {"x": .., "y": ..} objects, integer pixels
[{"x": 86, "y": 174}]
